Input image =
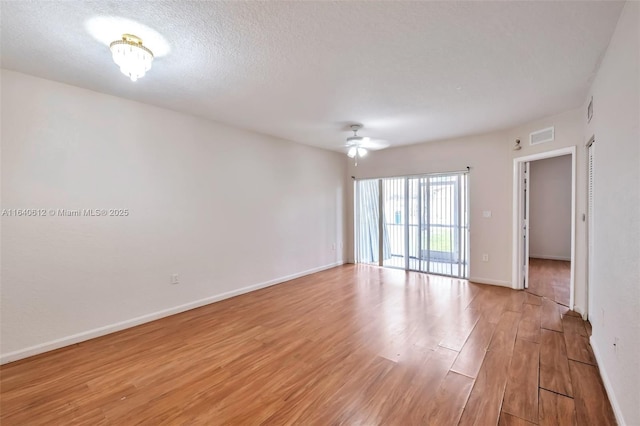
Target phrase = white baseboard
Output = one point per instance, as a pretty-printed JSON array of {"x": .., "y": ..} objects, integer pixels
[
  {"x": 580, "y": 311},
  {"x": 607, "y": 385},
  {"x": 545, "y": 257},
  {"x": 490, "y": 281},
  {"x": 112, "y": 328}
]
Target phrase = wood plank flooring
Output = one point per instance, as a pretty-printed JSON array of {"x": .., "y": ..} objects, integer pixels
[
  {"x": 550, "y": 279},
  {"x": 352, "y": 345}
]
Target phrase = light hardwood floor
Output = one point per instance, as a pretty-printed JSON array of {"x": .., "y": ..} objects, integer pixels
[
  {"x": 351, "y": 345},
  {"x": 550, "y": 279}
]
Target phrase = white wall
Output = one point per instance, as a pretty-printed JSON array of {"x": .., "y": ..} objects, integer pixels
[
  {"x": 569, "y": 131},
  {"x": 550, "y": 208},
  {"x": 615, "y": 287},
  {"x": 224, "y": 208},
  {"x": 490, "y": 157}
]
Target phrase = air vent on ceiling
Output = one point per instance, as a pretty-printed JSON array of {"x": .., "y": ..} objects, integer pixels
[{"x": 542, "y": 136}]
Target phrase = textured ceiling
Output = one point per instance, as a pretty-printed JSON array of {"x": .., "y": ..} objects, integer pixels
[{"x": 409, "y": 71}]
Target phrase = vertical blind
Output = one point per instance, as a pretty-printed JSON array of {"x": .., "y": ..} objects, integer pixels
[
  {"x": 424, "y": 223},
  {"x": 368, "y": 222}
]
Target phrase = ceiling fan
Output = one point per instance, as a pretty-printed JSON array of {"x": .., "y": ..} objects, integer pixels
[{"x": 359, "y": 146}]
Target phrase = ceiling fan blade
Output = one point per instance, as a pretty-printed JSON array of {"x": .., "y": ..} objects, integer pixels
[
  {"x": 374, "y": 144},
  {"x": 357, "y": 141}
]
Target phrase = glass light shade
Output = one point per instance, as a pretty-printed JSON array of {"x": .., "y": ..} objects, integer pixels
[
  {"x": 362, "y": 152},
  {"x": 352, "y": 152},
  {"x": 131, "y": 56}
]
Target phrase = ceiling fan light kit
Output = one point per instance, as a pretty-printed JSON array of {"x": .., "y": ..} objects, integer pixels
[
  {"x": 359, "y": 146},
  {"x": 354, "y": 150}
]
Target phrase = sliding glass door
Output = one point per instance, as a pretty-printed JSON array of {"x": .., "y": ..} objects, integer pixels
[
  {"x": 423, "y": 221},
  {"x": 394, "y": 203}
]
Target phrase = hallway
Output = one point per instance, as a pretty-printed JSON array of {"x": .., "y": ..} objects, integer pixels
[{"x": 550, "y": 279}]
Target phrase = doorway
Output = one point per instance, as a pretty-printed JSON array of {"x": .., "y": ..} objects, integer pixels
[
  {"x": 544, "y": 224},
  {"x": 549, "y": 227}
]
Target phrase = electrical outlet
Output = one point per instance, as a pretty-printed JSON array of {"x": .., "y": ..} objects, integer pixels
[
  {"x": 485, "y": 257},
  {"x": 175, "y": 279},
  {"x": 486, "y": 213}
]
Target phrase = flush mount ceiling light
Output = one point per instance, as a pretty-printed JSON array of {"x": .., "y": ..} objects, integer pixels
[{"x": 131, "y": 56}]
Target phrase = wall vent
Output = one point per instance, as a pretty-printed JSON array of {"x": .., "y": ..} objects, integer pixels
[{"x": 542, "y": 136}]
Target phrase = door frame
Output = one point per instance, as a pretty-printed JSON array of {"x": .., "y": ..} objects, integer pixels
[
  {"x": 590, "y": 146},
  {"x": 526, "y": 198},
  {"x": 518, "y": 205}
]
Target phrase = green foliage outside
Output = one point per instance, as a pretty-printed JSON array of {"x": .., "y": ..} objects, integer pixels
[{"x": 441, "y": 239}]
